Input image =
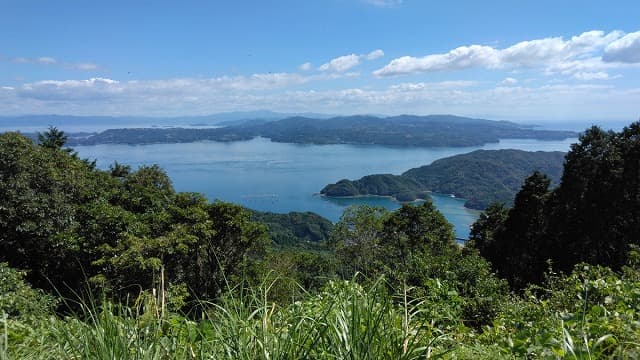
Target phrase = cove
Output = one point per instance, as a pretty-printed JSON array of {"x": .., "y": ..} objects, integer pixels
[{"x": 281, "y": 177}]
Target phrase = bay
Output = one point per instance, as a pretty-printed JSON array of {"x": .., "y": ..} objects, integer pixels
[{"x": 282, "y": 177}]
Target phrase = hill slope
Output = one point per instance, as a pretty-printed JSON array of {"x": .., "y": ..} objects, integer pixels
[{"x": 481, "y": 177}]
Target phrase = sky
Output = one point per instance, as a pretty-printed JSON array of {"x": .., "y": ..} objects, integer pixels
[{"x": 513, "y": 60}]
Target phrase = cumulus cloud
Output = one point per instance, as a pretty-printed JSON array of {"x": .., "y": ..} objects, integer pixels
[
  {"x": 547, "y": 53},
  {"x": 459, "y": 58},
  {"x": 624, "y": 50},
  {"x": 346, "y": 62},
  {"x": 341, "y": 63}
]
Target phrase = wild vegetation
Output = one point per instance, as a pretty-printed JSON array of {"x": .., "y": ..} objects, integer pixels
[
  {"x": 116, "y": 264},
  {"x": 592, "y": 216}
]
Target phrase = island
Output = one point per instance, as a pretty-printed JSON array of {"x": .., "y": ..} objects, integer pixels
[
  {"x": 403, "y": 130},
  {"x": 480, "y": 177}
]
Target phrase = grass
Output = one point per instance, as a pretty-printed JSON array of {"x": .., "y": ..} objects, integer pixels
[{"x": 345, "y": 321}]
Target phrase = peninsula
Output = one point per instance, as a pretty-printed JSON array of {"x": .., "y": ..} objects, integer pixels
[{"x": 480, "y": 177}]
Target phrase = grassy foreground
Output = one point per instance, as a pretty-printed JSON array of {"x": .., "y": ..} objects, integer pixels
[{"x": 593, "y": 313}]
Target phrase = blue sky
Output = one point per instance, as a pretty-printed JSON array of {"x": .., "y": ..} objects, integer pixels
[{"x": 543, "y": 60}]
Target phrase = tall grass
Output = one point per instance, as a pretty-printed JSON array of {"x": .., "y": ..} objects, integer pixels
[{"x": 344, "y": 321}]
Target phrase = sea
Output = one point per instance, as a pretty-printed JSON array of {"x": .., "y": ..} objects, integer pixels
[{"x": 282, "y": 177}]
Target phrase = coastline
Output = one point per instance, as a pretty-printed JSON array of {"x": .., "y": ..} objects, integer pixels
[{"x": 394, "y": 199}]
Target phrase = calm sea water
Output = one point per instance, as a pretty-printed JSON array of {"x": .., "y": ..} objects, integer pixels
[{"x": 278, "y": 177}]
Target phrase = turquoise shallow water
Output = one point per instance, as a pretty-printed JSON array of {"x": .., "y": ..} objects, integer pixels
[{"x": 279, "y": 177}]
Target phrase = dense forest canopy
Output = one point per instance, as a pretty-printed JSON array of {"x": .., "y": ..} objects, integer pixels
[{"x": 592, "y": 216}]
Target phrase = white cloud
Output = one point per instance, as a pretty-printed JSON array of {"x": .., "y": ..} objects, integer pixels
[
  {"x": 433, "y": 85},
  {"x": 305, "y": 67},
  {"x": 104, "y": 88},
  {"x": 509, "y": 81},
  {"x": 8, "y": 88},
  {"x": 90, "y": 89},
  {"x": 278, "y": 92},
  {"x": 624, "y": 50},
  {"x": 46, "y": 60},
  {"x": 375, "y": 54},
  {"x": 547, "y": 53},
  {"x": 85, "y": 66},
  {"x": 346, "y": 62},
  {"x": 459, "y": 58},
  {"x": 383, "y": 3},
  {"x": 600, "y": 75},
  {"x": 341, "y": 64}
]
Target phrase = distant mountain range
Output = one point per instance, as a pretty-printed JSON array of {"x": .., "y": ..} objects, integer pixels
[
  {"x": 480, "y": 177},
  {"x": 403, "y": 130},
  {"x": 226, "y": 118}
]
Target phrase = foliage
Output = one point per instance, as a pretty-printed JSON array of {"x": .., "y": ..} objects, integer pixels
[
  {"x": 592, "y": 216},
  {"x": 294, "y": 227},
  {"x": 414, "y": 247},
  {"x": 64, "y": 222},
  {"x": 18, "y": 299},
  {"x": 356, "y": 241},
  {"x": 181, "y": 277},
  {"x": 52, "y": 138},
  {"x": 592, "y": 313}
]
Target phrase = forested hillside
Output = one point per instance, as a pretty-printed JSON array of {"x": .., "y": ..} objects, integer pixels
[
  {"x": 481, "y": 177},
  {"x": 592, "y": 216},
  {"x": 404, "y": 130},
  {"x": 116, "y": 264}
]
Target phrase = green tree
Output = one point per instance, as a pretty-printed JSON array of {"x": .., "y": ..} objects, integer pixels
[
  {"x": 41, "y": 191},
  {"x": 592, "y": 216},
  {"x": 519, "y": 249},
  {"x": 52, "y": 138},
  {"x": 119, "y": 170},
  {"x": 413, "y": 229},
  {"x": 356, "y": 239},
  {"x": 595, "y": 210},
  {"x": 482, "y": 234}
]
